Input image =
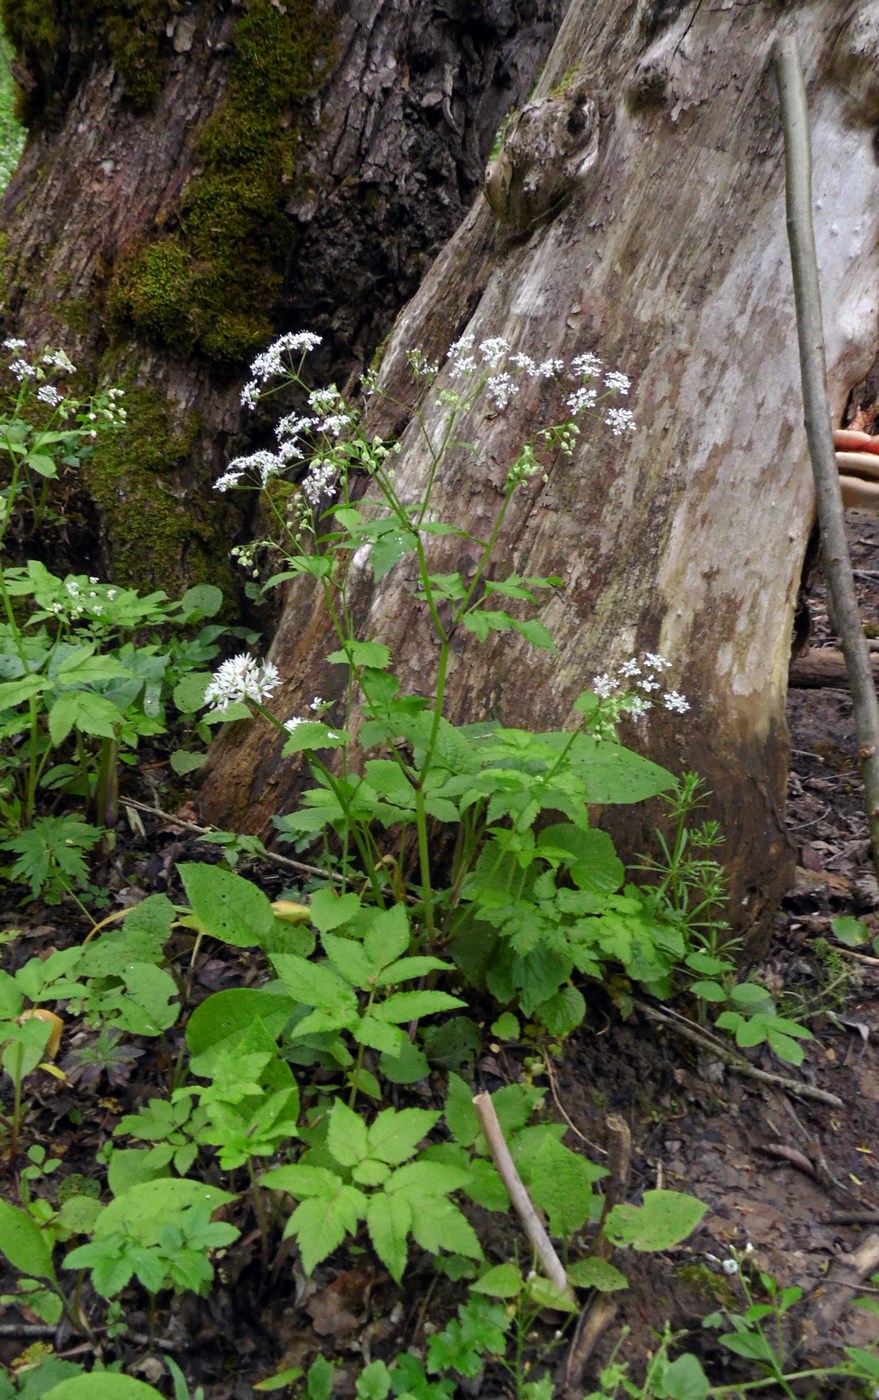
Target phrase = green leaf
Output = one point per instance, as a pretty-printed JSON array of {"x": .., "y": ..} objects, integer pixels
[
  {"x": 223, "y": 1020},
  {"x": 24, "y": 1244},
  {"x": 346, "y": 1137},
  {"x": 389, "y": 1220},
  {"x": 12, "y": 693},
  {"x": 313, "y": 734},
  {"x": 596, "y": 1273},
  {"x": 143, "y": 1209},
  {"x": 321, "y": 1223},
  {"x": 203, "y": 598},
  {"x": 684, "y": 1379},
  {"x": 317, "y": 986},
  {"x": 388, "y": 937},
  {"x": 226, "y": 906},
  {"x": 613, "y": 774},
  {"x": 102, "y": 1386},
  {"x": 407, "y": 1067},
  {"x": 562, "y": 1013},
  {"x": 394, "y": 1136},
  {"x": 846, "y": 929},
  {"x": 503, "y": 1281},
  {"x": 560, "y": 1181},
  {"x": 373, "y": 654},
  {"x": 329, "y": 910},
  {"x": 183, "y": 762},
  {"x": 665, "y": 1218},
  {"x": 84, "y": 711},
  {"x": 409, "y": 1006}
]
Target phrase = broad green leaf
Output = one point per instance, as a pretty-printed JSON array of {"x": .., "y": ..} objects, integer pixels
[
  {"x": 613, "y": 774},
  {"x": 665, "y": 1218},
  {"x": 684, "y": 1379},
  {"x": 12, "y": 693},
  {"x": 143, "y": 1209},
  {"x": 226, "y": 906},
  {"x": 388, "y": 936},
  {"x": 222, "y": 1021},
  {"x": 389, "y": 1220},
  {"x": 321, "y": 1223},
  {"x": 409, "y": 1006},
  {"x": 318, "y": 986},
  {"x": 503, "y": 1281},
  {"x": 373, "y": 654},
  {"x": 102, "y": 1386},
  {"x": 84, "y": 711},
  {"x": 563, "y": 1012},
  {"x": 313, "y": 734},
  {"x": 24, "y": 1244},
  {"x": 438, "y": 1224},
  {"x": 407, "y": 1067},
  {"x": 79, "y": 669},
  {"x": 203, "y": 598},
  {"x": 596, "y": 1273},
  {"x": 394, "y": 1136},
  {"x": 347, "y": 1135},
  {"x": 560, "y": 1181},
  {"x": 423, "y": 1180},
  {"x": 349, "y": 957},
  {"x": 329, "y": 910}
]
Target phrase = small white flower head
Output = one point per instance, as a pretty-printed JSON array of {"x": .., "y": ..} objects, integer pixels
[
  {"x": 250, "y": 394},
  {"x": 630, "y": 668},
  {"x": 674, "y": 701},
  {"x": 730, "y": 1266},
  {"x": 317, "y": 704},
  {"x": 637, "y": 705},
  {"x": 582, "y": 399},
  {"x": 604, "y": 686},
  {"x": 13, "y": 343},
  {"x": 293, "y": 424},
  {"x": 334, "y": 424},
  {"x": 525, "y": 364},
  {"x": 272, "y": 362},
  {"x": 461, "y": 356},
  {"x": 293, "y": 723},
  {"x": 620, "y": 421},
  {"x": 319, "y": 482},
  {"x": 290, "y": 452},
  {"x": 548, "y": 369},
  {"x": 48, "y": 394},
  {"x": 494, "y": 350},
  {"x": 421, "y": 366},
  {"x": 261, "y": 465},
  {"x": 22, "y": 370},
  {"x": 327, "y": 400},
  {"x": 654, "y": 662},
  {"x": 500, "y": 389},
  {"x": 617, "y": 382},
  {"x": 241, "y": 678},
  {"x": 72, "y": 587},
  {"x": 585, "y": 366},
  {"x": 57, "y": 359}
]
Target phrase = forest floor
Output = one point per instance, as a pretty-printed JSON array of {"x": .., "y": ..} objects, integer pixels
[{"x": 796, "y": 1178}]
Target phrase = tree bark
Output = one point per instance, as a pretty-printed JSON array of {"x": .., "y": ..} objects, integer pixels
[
  {"x": 201, "y": 174},
  {"x": 637, "y": 210}
]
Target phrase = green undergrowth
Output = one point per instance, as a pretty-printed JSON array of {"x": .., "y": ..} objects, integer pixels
[{"x": 11, "y": 133}]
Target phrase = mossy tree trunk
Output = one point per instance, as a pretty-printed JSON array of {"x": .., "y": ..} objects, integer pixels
[
  {"x": 637, "y": 210},
  {"x": 201, "y": 174}
]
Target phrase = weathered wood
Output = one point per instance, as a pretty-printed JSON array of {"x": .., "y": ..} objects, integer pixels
[
  {"x": 824, "y": 669},
  {"x": 661, "y": 245}
]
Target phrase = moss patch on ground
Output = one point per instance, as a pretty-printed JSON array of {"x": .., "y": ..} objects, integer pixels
[{"x": 208, "y": 281}]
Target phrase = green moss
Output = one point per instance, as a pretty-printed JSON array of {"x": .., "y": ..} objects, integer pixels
[
  {"x": 134, "y": 31},
  {"x": 705, "y": 1284},
  {"x": 157, "y": 539},
  {"x": 209, "y": 279}
]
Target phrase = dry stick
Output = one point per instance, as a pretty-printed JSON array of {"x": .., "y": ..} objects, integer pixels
[
  {"x": 831, "y": 519},
  {"x": 521, "y": 1201},
  {"x": 688, "y": 1031}
]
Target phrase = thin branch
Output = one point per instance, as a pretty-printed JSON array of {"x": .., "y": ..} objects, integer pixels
[
  {"x": 831, "y": 518},
  {"x": 742, "y": 1066},
  {"x": 521, "y": 1201}
]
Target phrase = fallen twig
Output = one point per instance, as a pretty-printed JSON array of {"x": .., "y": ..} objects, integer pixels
[
  {"x": 708, "y": 1042},
  {"x": 521, "y": 1201}
]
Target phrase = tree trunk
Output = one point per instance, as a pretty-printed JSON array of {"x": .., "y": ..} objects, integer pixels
[
  {"x": 202, "y": 173},
  {"x": 637, "y": 210}
]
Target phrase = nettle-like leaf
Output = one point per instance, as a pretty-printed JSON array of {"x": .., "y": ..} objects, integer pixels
[{"x": 664, "y": 1219}]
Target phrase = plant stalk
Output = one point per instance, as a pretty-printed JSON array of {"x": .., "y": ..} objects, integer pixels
[{"x": 831, "y": 517}]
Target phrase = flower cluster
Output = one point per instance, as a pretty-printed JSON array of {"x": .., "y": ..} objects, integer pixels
[
  {"x": 635, "y": 686},
  {"x": 241, "y": 678}
]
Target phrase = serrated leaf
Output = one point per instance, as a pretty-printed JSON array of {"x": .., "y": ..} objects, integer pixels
[
  {"x": 24, "y": 1244},
  {"x": 503, "y": 1281},
  {"x": 388, "y": 1220},
  {"x": 438, "y": 1224},
  {"x": 226, "y": 906},
  {"x": 394, "y": 1136},
  {"x": 317, "y": 986},
  {"x": 347, "y": 1135},
  {"x": 321, "y": 1223},
  {"x": 409, "y": 1006},
  {"x": 329, "y": 910}
]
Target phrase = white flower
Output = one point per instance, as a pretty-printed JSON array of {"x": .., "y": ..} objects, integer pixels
[
  {"x": 271, "y": 361},
  {"x": 47, "y": 394},
  {"x": 604, "y": 686},
  {"x": 630, "y": 668},
  {"x": 494, "y": 350},
  {"x": 241, "y": 678},
  {"x": 265, "y": 464},
  {"x": 327, "y": 400},
  {"x": 294, "y": 723},
  {"x": 334, "y": 423},
  {"x": 293, "y": 424},
  {"x": 460, "y": 354},
  {"x": 14, "y": 344},
  {"x": 319, "y": 482},
  {"x": 582, "y": 399},
  {"x": 548, "y": 369},
  {"x": 637, "y": 705},
  {"x": 500, "y": 389},
  {"x": 317, "y": 703},
  {"x": 730, "y": 1266},
  {"x": 654, "y": 662},
  {"x": 22, "y": 370},
  {"x": 673, "y": 700},
  {"x": 584, "y": 366},
  {"x": 58, "y": 360},
  {"x": 620, "y": 421},
  {"x": 525, "y": 363},
  {"x": 250, "y": 394},
  {"x": 618, "y": 383}
]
